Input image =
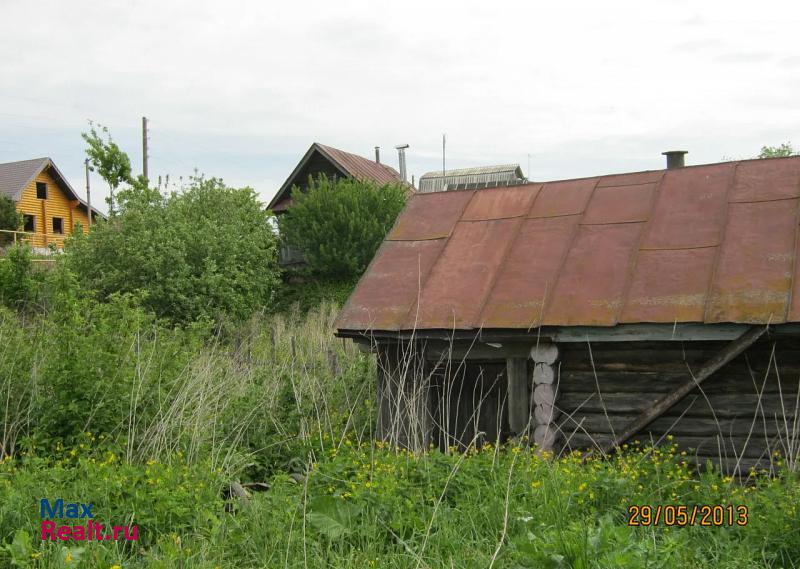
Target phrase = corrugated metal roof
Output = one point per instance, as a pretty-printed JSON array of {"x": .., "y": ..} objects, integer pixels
[
  {"x": 347, "y": 163},
  {"x": 714, "y": 243},
  {"x": 15, "y": 176},
  {"x": 362, "y": 168},
  {"x": 437, "y": 181}
]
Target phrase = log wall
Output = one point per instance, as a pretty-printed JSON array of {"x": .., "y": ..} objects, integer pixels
[{"x": 742, "y": 414}]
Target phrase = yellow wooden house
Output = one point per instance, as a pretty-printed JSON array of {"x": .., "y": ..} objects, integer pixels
[{"x": 51, "y": 209}]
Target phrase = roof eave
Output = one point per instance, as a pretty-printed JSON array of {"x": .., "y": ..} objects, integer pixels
[{"x": 315, "y": 147}]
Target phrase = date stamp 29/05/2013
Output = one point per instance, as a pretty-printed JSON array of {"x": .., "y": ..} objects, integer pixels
[{"x": 681, "y": 515}]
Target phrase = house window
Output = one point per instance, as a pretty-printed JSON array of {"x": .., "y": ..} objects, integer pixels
[
  {"x": 41, "y": 191},
  {"x": 58, "y": 225},
  {"x": 30, "y": 223}
]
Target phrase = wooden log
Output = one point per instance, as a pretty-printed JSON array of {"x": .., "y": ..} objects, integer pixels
[
  {"x": 730, "y": 404},
  {"x": 664, "y": 382},
  {"x": 543, "y": 373},
  {"x": 544, "y": 353},
  {"x": 720, "y": 359},
  {"x": 544, "y": 414},
  {"x": 518, "y": 394},
  {"x": 545, "y": 436},
  {"x": 598, "y": 423},
  {"x": 544, "y": 394}
]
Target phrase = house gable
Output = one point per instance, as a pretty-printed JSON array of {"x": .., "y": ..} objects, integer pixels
[
  {"x": 54, "y": 217},
  {"x": 321, "y": 159}
]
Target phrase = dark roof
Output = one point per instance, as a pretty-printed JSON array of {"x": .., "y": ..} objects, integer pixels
[
  {"x": 349, "y": 165},
  {"x": 716, "y": 243},
  {"x": 16, "y": 176}
]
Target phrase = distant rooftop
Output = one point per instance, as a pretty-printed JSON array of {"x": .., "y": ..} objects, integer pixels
[{"x": 471, "y": 178}]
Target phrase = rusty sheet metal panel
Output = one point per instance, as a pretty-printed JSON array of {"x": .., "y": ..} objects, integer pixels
[
  {"x": 754, "y": 270},
  {"x": 430, "y": 216},
  {"x": 632, "y": 179},
  {"x": 620, "y": 204},
  {"x": 762, "y": 180},
  {"x": 462, "y": 278},
  {"x": 717, "y": 243},
  {"x": 563, "y": 198},
  {"x": 670, "y": 286},
  {"x": 390, "y": 287},
  {"x": 501, "y": 203},
  {"x": 794, "y": 307},
  {"x": 527, "y": 278},
  {"x": 690, "y": 208},
  {"x": 589, "y": 291}
]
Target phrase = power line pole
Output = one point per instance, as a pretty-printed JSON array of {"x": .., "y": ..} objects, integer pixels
[
  {"x": 88, "y": 194},
  {"x": 144, "y": 147}
]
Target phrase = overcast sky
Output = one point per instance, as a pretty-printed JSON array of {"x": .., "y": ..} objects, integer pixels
[{"x": 240, "y": 90}]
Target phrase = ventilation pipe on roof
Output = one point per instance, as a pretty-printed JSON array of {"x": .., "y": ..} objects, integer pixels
[
  {"x": 377, "y": 155},
  {"x": 675, "y": 158},
  {"x": 401, "y": 154}
]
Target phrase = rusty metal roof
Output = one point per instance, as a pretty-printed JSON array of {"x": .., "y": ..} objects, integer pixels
[
  {"x": 716, "y": 243},
  {"x": 348, "y": 164}
]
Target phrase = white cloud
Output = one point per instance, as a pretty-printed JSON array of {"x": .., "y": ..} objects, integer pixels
[{"x": 240, "y": 89}]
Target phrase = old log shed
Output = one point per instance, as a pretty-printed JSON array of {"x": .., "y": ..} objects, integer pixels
[{"x": 587, "y": 313}]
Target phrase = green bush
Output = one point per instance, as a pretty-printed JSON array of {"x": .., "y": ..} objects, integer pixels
[
  {"x": 207, "y": 251},
  {"x": 10, "y": 219},
  {"x": 338, "y": 224},
  {"x": 17, "y": 283}
]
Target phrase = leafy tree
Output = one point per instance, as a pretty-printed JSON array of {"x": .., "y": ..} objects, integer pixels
[
  {"x": 16, "y": 277},
  {"x": 113, "y": 165},
  {"x": 10, "y": 219},
  {"x": 338, "y": 224},
  {"x": 190, "y": 255},
  {"x": 780, "y": 151}
]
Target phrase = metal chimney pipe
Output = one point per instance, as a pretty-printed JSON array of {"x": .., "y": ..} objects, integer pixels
[
  {"x": 401, "y": 154},
  {"x": 377, "y": 155},
  {"x": 675, "y": 158}
]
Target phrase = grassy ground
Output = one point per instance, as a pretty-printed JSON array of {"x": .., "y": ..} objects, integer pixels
[{"x": 157, "y": 425}]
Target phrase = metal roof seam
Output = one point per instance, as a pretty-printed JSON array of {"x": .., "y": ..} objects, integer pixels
[
  {"x": 509, "y": 246},
  {"x": 766, "y": 200},
  {"x": 721, "y": 241},
  {"x": 677, "y": 248},
  {"x": 632, "y": 264},
  {"x": 420, "y": 239},
  {"x": 614, "y": 222},
  {"x": 549, "y": 301},
  {"x": 415, "y": 305},
  {"x": 793, "y": 274}
]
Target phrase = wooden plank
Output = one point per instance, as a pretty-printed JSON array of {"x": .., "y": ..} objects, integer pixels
[
  {"x": 599, "y": 424},
  {"x": 461, "y": 351},
  {"x": 654, "y": 382},
  {"x": 724, "y": 356},
  {"x": 723, "y": 404},
  {"x": 648, "y": 332},
  {"x": 518, "y": 394}
]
